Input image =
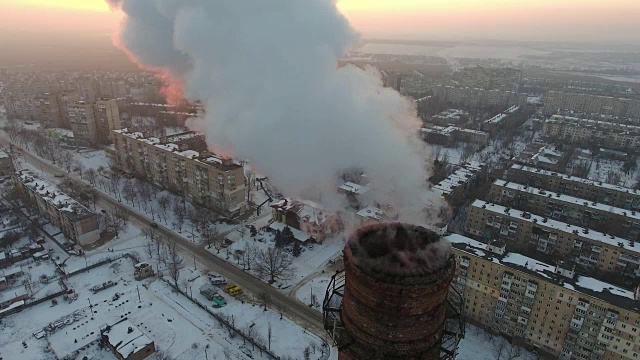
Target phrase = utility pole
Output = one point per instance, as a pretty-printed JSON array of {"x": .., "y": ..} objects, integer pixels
[
  {"x": 194, "y": 262},
  {"x": 138, "y": 289}
]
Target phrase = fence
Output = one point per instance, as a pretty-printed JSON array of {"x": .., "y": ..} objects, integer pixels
[{"x": 224, "y": 322}]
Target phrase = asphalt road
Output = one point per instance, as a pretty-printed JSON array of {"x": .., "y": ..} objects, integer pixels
[{"x": 293, "y": 309}]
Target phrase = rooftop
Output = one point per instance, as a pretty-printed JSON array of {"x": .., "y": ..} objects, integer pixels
[
  {"x": 354, "y": 188},
  {"x": 568, "y": 199},
  {"x": 170, "y": 143},
  {"x": 126, "y": 338},
  {"x": 560, "y": 226},
  {"x": 575, "y": 179},
  {"x": 589, "y": 286},
  {"x": 52, "y": 195},
  {"x": 592, "y": 123}
]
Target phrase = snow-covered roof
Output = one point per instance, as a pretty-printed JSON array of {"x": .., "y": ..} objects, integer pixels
[
  {"x": 574, "y": 121},
  {"x": 126, "y": 338},
  {"x": 610, "y": 293},
  {"x": 354, "y": 188},
  {"x": 371, "y": 212},
  {"x": 307, "y": 211},
  {"x": 3, "y": 154},
  {"x": 54, "y": 196},
  {"x": 559, "y": 226},
  {"x": 13, "y": 293},
  {"x": 575, "y": 179},
  {"x": 568, "y": 199},
  {"x": 464, "y": 174}
]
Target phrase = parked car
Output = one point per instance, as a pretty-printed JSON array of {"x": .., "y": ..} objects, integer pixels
[
  {"x": 216, "y": 279},
  {"x": 233, "y": 289},
  {"x": 154, "y": 225},
  {"x": 59, "y": 175}
]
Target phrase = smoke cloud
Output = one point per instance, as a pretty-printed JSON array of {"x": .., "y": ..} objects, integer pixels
[{"x": 268, "y": 75}]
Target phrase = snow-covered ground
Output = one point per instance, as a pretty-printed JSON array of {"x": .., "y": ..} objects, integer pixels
[
  {"x": 480, "y": 345},
  {"x": 311, "y": 259},
  {"x": 180, "y": 329},
  {"x": 314, "y": 289}
]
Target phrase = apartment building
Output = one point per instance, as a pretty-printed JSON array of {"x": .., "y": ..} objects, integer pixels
[
  {"x": 588, "y": 248},
  {"x": 548, "y": 307},
  {"x": 48, "y": 109},
  {"x": 94, "y": 122},
  {"x": 450, "y": 117},
  {"x": 456, "y": 185},
  {"x": 182, "y": 164},
  {"x": 452, "y": 134},
  {"x": 572, "y": 210},
  {"x": 473, "y": 97},
  {"x": 590, "y": 190},
  {"x": 494, "y": 124},
  {"x": 79, "y": 224},
  {"x": 603, "y": 133},
  {"x": 591, "y": 104}
]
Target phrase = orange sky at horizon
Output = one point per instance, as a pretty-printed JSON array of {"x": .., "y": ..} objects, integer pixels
[{"x": 435, "y": 19}]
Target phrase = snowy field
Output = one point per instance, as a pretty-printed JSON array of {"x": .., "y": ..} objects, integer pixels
[{"x": 480, "y": 345}]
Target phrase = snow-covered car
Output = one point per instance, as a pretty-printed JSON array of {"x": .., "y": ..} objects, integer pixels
[{"x": 216, "y": 279}]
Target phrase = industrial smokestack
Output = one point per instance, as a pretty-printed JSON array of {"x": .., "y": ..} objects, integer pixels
[
  {"x": 394, "y": 302},
  {"x": 267, "y": 73}
]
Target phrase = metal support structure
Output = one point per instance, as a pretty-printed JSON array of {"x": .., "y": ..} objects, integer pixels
[{"x": 332, "y": 319}]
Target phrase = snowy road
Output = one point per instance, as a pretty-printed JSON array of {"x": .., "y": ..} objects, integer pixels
[{"x": 295, "y": 310}]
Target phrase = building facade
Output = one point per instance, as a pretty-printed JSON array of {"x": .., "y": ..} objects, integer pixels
[
  {"x": 94, "y": 122},
  {"x": 182, "y": 164},
  {"x": 591, "y": 104},
  {"x": 546, "y": 307},
  {"x": 79, "y": 224},
  {"x": 572, "y": 210},
  {"x": 585, "y": 131},
  {"x": 590, "y": 190},
  {"x": 588, "y": 248}
]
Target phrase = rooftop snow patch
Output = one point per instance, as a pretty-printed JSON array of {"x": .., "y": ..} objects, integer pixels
[{"x": 398, "y": 250}]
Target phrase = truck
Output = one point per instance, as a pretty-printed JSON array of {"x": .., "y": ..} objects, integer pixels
[
  {"x": 218, "y": 301},
  {"x": 208, "y": 291},
  {"x": 233, "y": 289}
]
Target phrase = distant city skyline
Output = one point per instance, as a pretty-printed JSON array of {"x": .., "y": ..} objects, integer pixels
[{"x": 542, "y": 20}]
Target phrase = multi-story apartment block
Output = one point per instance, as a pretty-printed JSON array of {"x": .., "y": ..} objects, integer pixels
[
  {"x": 473, "y": 97},
  {"x": 182, "y": 164},
  {"x": 48, "y": 109},
  {"x": 494, "y": 124},
  {"x": 588, "y": 248},
  {"x": 603, "y": 133},
  {"x": 590, "y": 190},
  {"x": 575, "y": 211},
  {"x": 78, "y": 223},
  {"x": 547, "y": 307},
  {"x": 591, "y": 104},
  {"x": 452, "y": 134},
  {"x": 93, "y": 122},
  {"x": 456, "y": 185}
]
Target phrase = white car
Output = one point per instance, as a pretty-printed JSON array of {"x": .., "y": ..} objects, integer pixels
[{"x": 216, "y": 279}]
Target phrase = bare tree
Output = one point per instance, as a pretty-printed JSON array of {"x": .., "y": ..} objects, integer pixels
[
  {"x": 91, "y": 176},
  {"x": 164, "y": 202},
  {"x": 264, "y": 299},
  {"x": 174, "y": 261},
  {"x": 274, "y": 264},
  {"x": 249, "y": 255},
  {"x": 66, "y": 160},
  {"x": 269, "y": 334},
  {"x": 150, "y": 245},
  {"x": 77, "y": 164},
  {"x": 307, "y": 353},
  {"x": 179, "y": 212},
  {"x": 129, "y": 193},
  {"x": 114, "y": 181}
]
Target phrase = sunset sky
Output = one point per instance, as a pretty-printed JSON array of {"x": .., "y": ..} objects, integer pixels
[{"x": 582, "y": 20}]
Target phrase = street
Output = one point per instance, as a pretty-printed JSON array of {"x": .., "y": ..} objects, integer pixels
[{"x": 293, "y": 309}]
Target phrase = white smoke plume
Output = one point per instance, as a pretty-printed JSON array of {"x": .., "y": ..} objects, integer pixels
[{"x": 268, "y": 75}]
